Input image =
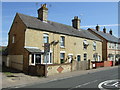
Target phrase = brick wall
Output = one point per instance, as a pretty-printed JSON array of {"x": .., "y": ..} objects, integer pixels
[
  {"x": 108, "y": 63},
  {"x": 58, "y": 68}
]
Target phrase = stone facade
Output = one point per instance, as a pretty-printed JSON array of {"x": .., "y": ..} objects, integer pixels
[
  {"x": 109, "y": 49},
  {"x": 73, "y": 45},
  {"x": 22, "y": 37}
]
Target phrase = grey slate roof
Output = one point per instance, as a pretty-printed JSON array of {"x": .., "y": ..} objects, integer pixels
[
  {"x": 35, "y": 23},
  {"x": 107, "y": 36},
  {"x": 33, "y": 50}
]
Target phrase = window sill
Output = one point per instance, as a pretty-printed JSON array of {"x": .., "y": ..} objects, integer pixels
[
  {"x": 46, "y": 63},
  {"x": 62, "y": 47}
]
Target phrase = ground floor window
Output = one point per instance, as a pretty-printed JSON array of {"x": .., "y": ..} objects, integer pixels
[
  {"x": 85, "y": 56},
  {"x": 111, "y": 57},
  {"x": 35, "y": 59},
  {"x": 38, "y": 58},
  {"x": 62, "y": 58},
  {"x": 48, "y": 58},
  {"x": 95, "y": 56}
]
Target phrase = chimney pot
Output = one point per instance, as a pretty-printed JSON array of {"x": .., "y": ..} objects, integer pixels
[
  {"x": 76, "y": 22},
  {"x": 97, "y": 28},
  {"x": 110, "y": 31},
  {"x": 43, "y": 12},
  {"x": 104, "y": 30}
]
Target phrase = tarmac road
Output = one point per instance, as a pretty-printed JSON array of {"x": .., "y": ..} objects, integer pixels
[{"x": 90, "y": 80}]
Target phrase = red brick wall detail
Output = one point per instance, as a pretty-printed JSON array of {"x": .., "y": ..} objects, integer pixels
[
  {"x": 108, "y": 63},
  {"x": 60, "y": 69}
]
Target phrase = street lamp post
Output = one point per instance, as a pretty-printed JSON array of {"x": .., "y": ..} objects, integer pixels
[{"x": 46, "y": 50}]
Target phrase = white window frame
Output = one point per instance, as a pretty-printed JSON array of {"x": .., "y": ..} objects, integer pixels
[
  {"x": 49, "y": 58},
  {"x": 109, "y": 45},
  {"x": 60, "y": 55},
  {"x": 85, "y": 45},
  {"x": 70, "y": 54},
  {"x": 45, "y": 35},
  {"x": 94, "y": 45},
  {"x": 61, "y": 41},
  {"x": 30, "y": 58}
]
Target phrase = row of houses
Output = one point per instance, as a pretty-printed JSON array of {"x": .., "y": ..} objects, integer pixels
[{"x": 36, "y": 42}]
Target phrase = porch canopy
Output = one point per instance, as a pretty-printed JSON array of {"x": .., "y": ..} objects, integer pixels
[{"x": 34, "y": 50}]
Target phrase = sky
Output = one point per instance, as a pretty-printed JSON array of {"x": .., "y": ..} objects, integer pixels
[{"x": 90, "y": 13}]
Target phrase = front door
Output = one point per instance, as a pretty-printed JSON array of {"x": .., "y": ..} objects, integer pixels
[
  {"x": 78, "y": 58},
  {"x": 38, "y": 58}
]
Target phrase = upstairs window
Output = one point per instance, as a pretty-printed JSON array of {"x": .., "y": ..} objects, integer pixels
[
  {"x": 94, "y": 45},
  {"x": 85, "y": 44},
  {"x": 13, "y": 39},
  {"x": 116, "y": 46},
  {"x": 109, "y": 45},
  {"x": 45, "y": 38},
  {"x": 62, "y": 41},
  {"x": 113, "y": 45}
]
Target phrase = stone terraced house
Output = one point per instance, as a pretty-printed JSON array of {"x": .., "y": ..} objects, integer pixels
[
  {"x": 29, "y": 35},
  {"x": 110, "y": 44}
]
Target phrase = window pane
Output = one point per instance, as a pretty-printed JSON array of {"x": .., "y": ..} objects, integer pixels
[
  {"x": 50, "y": 57},
  {"x": 38, "y": 58},
  {"x": 45, "y": 38},
  {"x": 62, "y": 41},
  {"x": 32, "y": 58},
  {"x": 47, "y": 58},
  {"x": 62, "y": 57},
  {"x": 85, "y": 56}
]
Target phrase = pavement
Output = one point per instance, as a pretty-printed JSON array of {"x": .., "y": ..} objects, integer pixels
[{"x": 18, "y": 79}]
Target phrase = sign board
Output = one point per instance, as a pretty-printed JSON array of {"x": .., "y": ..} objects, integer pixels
[{"x": 46, "y": 47}]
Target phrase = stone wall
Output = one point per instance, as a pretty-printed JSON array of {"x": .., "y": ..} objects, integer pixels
[{"x": 58, "y": 68}]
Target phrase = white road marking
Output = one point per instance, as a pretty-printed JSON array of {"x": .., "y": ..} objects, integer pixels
[
  {"x": 106, "y": 83},
  {"x": 83, "y": 84}
]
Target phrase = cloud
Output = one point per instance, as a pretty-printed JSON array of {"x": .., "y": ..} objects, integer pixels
[
  {"x": 108, "y": 25},
  {"x": 3, "y": 43}
]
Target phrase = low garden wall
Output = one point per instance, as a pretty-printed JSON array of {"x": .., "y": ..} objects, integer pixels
[
  {"x": 97, "y": 64},
  {"x": 108, "y": 63},
  {"x": 37, "y": 70},
  {"x": 58, "y": 68}
]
